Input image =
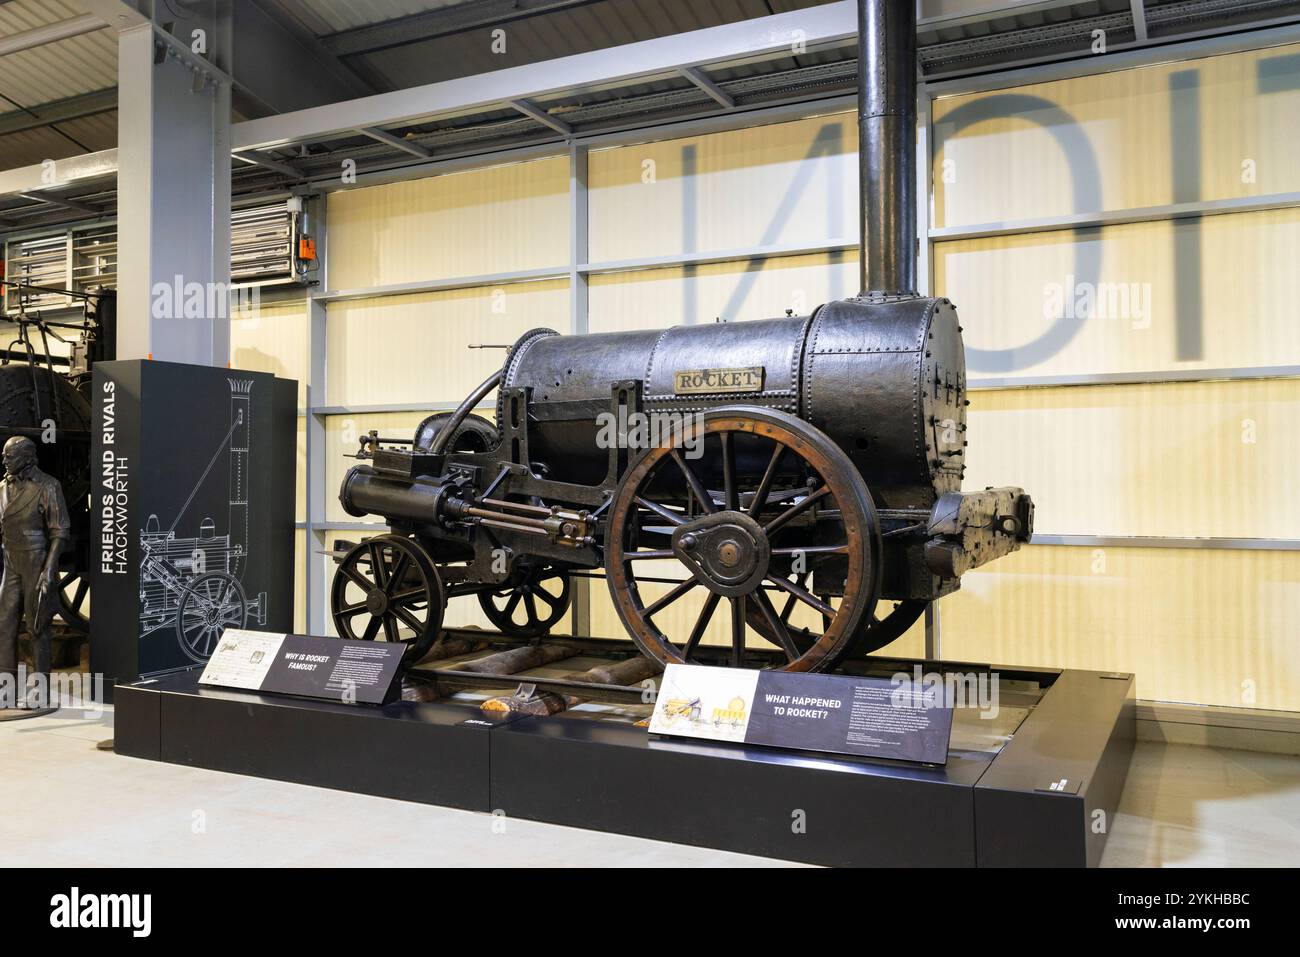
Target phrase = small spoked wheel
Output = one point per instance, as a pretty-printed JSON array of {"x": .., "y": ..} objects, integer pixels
[
  {"x": 387, "y": 589},
  {"x": 882, "y": 629},
  {"x": 531, "y": 604},
  {"x": 211, "y": 604},
  {"x": 768, "y": 518},
  {"x": 74, "y": 601}
]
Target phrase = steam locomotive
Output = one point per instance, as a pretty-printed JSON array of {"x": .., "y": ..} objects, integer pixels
[
  {"x": 812, "y": 468},
  {"x": 816, "y": 461}
]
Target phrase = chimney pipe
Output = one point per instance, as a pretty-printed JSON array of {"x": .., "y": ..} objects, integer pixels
[{"x": 887, "y": 144}]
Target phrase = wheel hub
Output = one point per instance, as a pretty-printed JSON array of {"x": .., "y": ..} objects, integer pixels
[
  {"x": 376, "y": 601},
  {"x": 727, "y": 552}
]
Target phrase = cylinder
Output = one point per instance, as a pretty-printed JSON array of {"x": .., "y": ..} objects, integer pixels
[
  {"x": 368, "y": 492},
  {"x": 887, "y": 144}
]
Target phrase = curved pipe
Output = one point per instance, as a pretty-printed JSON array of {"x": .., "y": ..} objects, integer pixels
[{"x": 465, "y": 408}]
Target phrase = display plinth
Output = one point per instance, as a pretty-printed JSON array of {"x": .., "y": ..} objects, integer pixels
[
  {"x": 432, "y": 753},
  {"x": 820, "y": 809},
  {"x": 1047, "y": 797}
]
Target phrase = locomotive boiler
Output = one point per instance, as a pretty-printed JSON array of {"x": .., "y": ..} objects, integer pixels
[{"x": 798, "y": 478}]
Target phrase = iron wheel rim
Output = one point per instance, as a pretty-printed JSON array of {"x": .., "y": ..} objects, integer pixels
[{"x": 839, "y": 482}]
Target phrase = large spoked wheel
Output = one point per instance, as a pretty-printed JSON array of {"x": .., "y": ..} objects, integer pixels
[
  {"x": 882, "y": 629},
  {"x": 745, "y": 524},
  {"x": 74, "y": 601},
  {"x": 211, "y": 604},
  {"x": 387, "y": 589},
  {"x": 534, "y": 604}
]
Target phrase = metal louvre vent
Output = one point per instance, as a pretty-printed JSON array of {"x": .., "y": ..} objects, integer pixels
[
  {"x": 42, "y": 261},
  {"x": 94, "y": 257},
  {"x": 263, "y": 249},
  {"x": 262, "y": 243}
]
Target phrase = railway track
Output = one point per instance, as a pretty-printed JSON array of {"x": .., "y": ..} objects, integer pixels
[{"x": 480, "y": 660}]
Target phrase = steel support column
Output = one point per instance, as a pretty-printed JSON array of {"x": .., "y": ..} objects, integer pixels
[
  {"x": 173, "y": 199},
  {"x": 579, "y": 253},
  {"x": 315, "y": 537}
]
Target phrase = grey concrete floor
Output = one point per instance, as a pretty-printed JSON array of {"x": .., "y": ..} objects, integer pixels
[{"x": 68, "y": 804}]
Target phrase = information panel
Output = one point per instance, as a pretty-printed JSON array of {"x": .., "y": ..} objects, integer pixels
[
  {"x": 840, "y": 714},
  {"x": 193, "y": 508},
  {"x": 353, "y": 672}
]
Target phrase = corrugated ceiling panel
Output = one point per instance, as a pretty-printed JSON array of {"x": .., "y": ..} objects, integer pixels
[
  {"x": 54, "y": 71},
  {"x": 346, "y": 14},
  {"x": 35, "y": 146},
  {"x": 98, "y": 132},
  {"x": 19, "y": 15}
]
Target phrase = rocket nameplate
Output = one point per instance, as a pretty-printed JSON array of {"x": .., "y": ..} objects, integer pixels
[{"x": 701, "y": 381}]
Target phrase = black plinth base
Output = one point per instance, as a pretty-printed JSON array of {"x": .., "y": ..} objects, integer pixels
[
  {"x": 431, "y": 753},
  {"x": 1046, "y": 798},
  {"x": 800, "y": 807}
]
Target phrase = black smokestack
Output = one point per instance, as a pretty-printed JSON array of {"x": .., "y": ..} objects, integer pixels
[{"x": 887, "y": 144}]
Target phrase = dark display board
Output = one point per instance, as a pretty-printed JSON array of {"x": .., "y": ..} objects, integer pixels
[
  {"x": 898, "y": 719},
  {"x": 192, "y": 505},
  {"x": 331, "y": 669}
]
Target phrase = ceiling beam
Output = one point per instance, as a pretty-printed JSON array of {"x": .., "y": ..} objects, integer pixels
[
  {"x": 117, "y": 14},
  {"x": 58, "y": 111},
  {"x": 439, "y": 23},
  {"x": 831, "y": 24},
  {"x": 53, "y": 200},
  {"x": 83, "y": 168},
  {"x": 396, "y": 142},
  {"x": 702, "y": 80},
  {"x": 979, "y": 11},
  {"x": 266, "y": 162},
  {"x": 50, "y": 33},
  {"x": 1138, "y": 9},
  {"x": 541, "y": 116}
]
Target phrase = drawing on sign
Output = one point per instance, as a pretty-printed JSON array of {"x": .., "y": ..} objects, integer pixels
[
  {"x": 193, "y": 585},
  {"x": 733, "y": 713},
  {"x": 242, "y": 659},
  {"x": 682, "y": 708},
  {"x": 835, "y": 714},
  {"x": 705, "y": 703}
]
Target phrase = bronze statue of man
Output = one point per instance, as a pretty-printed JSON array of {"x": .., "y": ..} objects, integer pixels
[{"x": 33, "y": 532}]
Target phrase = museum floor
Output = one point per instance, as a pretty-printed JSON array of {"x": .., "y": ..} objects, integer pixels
[{"x": 67, "y": 803}]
